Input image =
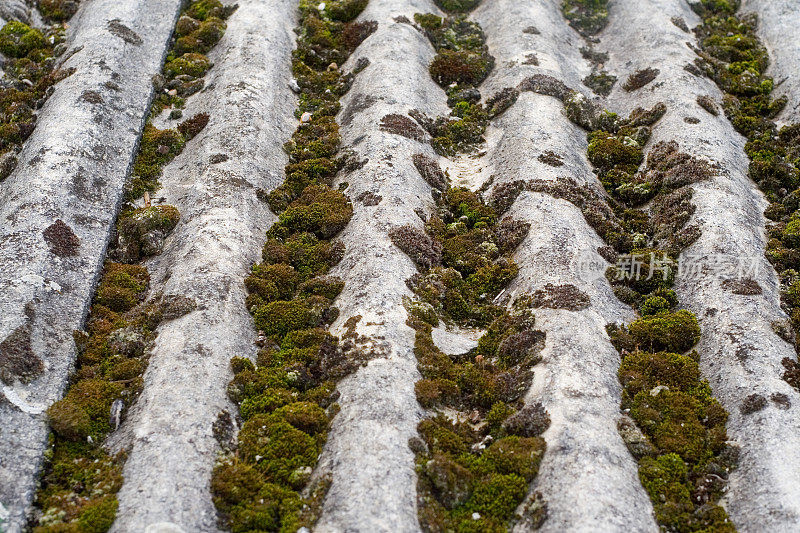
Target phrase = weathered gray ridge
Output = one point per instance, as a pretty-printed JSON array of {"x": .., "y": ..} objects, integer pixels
[
  {"x": 71, "y": 168},
  {"x": 367, "y": 454},
  {"x": 777, "y": 24},
  {"x": 577, "y": 379},
  {"x": 172, "y": 448},
  {"x": 740, "y": 354}
]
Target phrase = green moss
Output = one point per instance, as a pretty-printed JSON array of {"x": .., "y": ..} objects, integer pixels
[
  {"x": 305, "y": 416},
  {"x": 204, "y": 9},
  {"x": 461, "y": 67},
  {"x": 203, "y": 39},
  {"x": 461, "y": 63},
  {"x": 157, "y": 148},
  {"x": 190, "y": 64},
  {"x": 18, "y": 39},
  {"x": 279, "y": 318},
  {"x": 69, "y": 420},
  {"x": 672, "y": 332},
  {"x": 265, "y": 403},
  {"x": 345, "y": 10},
  {"x": 281, "y": 448},
  {"x": 122, "y": 286},
  {"x": 609, "y": 151},
  {"x": 588, "y": 17},
  {"x": 515, "y": 455},
  {"x": 98, "y": 516},
  {"x": 600, "y": 82},
  {"x": 136, "y": 230},
  {"x": 457, "y": 6},
  {"x": 29, "y": 66},
  {"x": 58, "y": 10},
  {"x": 320, "y": 210},
  {"x": 428, "y": 21},
  {"x": 498, "y": 496},
  {"x": 287, "y": 398}
]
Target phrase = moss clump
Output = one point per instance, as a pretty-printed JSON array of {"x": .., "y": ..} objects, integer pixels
[
  {"x": 190, "y": 64},
  {"x": 288, "y": 398},
  {"x": 345, "y": 10},
  {"x": 58, "y": 10},
  {"x": 319, "y": 210},
  {"x": 141, "y": 232},
  {"x": 588, "y": 17},
  {"x": 453, "y": 483},
  {"x": 450, "y": 66},
  {"x": 122, "y": 287},
  {"x": 29, "y": 74},
  {"x": 462, "y": 62},
  {"x": 157, "y": 148},
  {"x": 607, "y": 151},
  {"x": 600, "y": 82},
  {"x": 457, "y": 6},
  {"x": 204, "y": 9},
  {"x": 18, "y": 39}
]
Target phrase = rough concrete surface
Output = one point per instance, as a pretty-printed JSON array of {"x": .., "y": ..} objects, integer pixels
[
  {"x": 374, "y": 484},
  {"x": 739, "y": 352},
  {"x": 71, "y": 168},
  {"x": 778, "y": 21},
  {"x": 577, "y": 378},
  {"x": 169, "y": 431}
]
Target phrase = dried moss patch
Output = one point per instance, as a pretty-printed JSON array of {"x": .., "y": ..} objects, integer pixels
[
  {"x": 62, "y": 240},
  {"x": 18, "y": 361},
  {"x": 640, "y": 78}
]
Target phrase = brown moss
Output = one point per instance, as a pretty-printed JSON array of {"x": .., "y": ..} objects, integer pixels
[
  {"x": 191, "y": 127},
  {"x": 747, "y": 287},
  {"x": 402, "y": 125},
  {"x": 640, "y": 78},
  {"x": 62, "y": 240},
  {"x": 423, "y": 250},
  {"x": 551, "y": 158},
  {"x": 567, "y": 297},
  {"x": 18, "y": 361},
  {"x": 430, "y": 171}
]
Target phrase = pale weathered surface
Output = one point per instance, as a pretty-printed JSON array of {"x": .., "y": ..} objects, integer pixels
[
  {"x": 577, "y": 379},
  {"x": 374, "y": 484},
  {"x": 14, "y": 10},
  {"x": 778, "y": 21},
  {"x": 72, "y": 168},
  {"x": 739, "y": 352},
  {"x": 206, "y": 258}
]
